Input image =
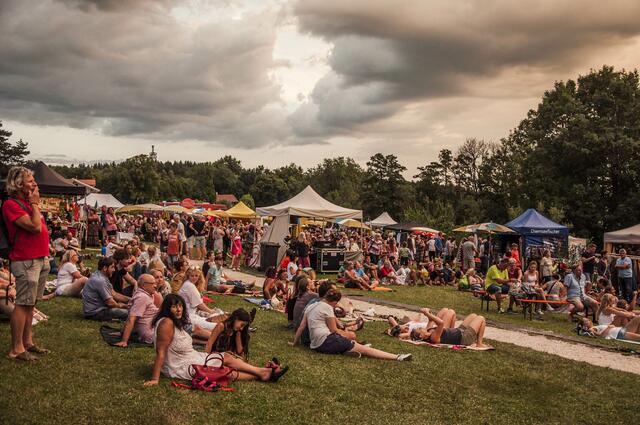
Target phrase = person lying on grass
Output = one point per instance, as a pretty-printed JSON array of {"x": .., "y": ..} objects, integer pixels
[
  {"x": 630, "y": 332},
  {"x": 175, "y": 353},
  {"x": 470, "y": 332},
  {"x": 404, "y": 330},
  {"x": 322, "y": 324}
]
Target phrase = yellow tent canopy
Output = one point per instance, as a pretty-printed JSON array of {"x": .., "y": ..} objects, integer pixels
[
  {"x": 241, "y": 210},
  {"x": 216, "y": 213}
]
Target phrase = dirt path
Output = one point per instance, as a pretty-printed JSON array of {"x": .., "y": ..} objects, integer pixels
[{"x": 568, "y": 350}]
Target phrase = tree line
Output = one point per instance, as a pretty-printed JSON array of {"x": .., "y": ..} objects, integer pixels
[{"x": 576, "y": 158}]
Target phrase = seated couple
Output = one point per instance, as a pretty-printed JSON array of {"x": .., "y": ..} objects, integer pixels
[
  {"x": 326, "y": 337},
  {"x": 440, "y": 329},
  {"x": 218, "y": 281},
  {"x": 275, "y": 288},
  {"x": 355, "y": 277},
  {"x": 175, "y": 353}
]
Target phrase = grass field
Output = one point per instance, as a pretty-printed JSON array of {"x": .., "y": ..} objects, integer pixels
[{"x": 84, "y": 381}]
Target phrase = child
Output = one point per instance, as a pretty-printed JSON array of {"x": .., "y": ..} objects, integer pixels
[{"x": 405, "y": 254}]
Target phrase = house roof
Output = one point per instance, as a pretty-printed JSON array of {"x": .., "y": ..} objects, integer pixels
[{"x": 226, "y": 197}]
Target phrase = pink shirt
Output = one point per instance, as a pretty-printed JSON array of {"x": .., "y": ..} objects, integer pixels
[{"x": 141, "y": 306}]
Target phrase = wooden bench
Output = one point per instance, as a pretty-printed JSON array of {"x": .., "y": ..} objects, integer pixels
[
  {"x": 527, "y": 305},
  {"x": 484, "y": 297}
]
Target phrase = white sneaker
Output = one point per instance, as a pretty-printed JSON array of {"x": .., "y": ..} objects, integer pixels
[{"x": 403, "y": 357}]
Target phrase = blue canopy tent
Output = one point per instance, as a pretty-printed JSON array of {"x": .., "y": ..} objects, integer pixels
[{"x": 539, "y": 233}]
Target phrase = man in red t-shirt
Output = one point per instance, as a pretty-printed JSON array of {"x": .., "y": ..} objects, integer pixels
[{"x": 29, "y": 258}]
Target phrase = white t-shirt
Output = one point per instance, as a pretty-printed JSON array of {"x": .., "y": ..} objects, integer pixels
[
  {"x": 431, "y": 244},
  {"x": 65, "y": 273},
  {"x": 611, "y": 334},
  {"x": 317, "y": 315},
  {"x": 111, "y": 248},
  {"x": 58, "y": 246},
  {"x": 402, "y": 274},
  {"x": 292, "y": 269},
  {"x": 191, "y": 297}
]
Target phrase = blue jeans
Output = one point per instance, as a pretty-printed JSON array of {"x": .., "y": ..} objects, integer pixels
[{"x": 626, "y": 288}]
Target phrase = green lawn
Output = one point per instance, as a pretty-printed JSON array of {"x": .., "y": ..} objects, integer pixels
[{"x": 85, "y": 381}]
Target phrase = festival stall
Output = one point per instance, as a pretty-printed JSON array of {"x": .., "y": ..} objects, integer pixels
[
  {"x": 354, "y": 224},
  {"x": 305, "y": 204},
  {"x": 241, "y": 211},
  {"x": 383, "y": 220},
  {"x": 97, "y": 200},
  {"x": 52, "y": 183},
  {"x": 538, "y": 233}
]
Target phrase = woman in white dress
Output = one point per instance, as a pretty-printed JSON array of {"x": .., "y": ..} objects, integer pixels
[{"x": 175, "y": 353}]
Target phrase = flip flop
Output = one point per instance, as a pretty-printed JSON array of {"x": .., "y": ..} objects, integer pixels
[
  {"x": 38, "y": 350},
  {"x": 24, "y": 357}
]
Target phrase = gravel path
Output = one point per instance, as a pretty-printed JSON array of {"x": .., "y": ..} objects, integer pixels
[{"x": 567, "y": 350}]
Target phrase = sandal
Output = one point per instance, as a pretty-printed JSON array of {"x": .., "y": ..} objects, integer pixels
[
  {"x": 359, "y": 323},
  {"x": 24, "y": 356},
  {"x": 38, "y": 350},
  {"x": 277, "y": 374}
]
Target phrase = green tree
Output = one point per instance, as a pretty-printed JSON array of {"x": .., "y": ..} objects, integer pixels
[
  {"x": 248, "y": 201},
  {"x": 383, "y": 187},
  {"x": 10, "y": 154},
  {"x": 339, "y": 180}
]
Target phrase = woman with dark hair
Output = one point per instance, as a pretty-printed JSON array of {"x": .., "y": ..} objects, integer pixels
[{"x": 175, "y": 353}]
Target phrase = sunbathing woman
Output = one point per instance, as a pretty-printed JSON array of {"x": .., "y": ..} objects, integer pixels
[
  {"x": 403, "y": 331},
  {"x": 630, "y": 332},
  {"x": 175, "y": 353},
  {"x": 470, "y": 332}
]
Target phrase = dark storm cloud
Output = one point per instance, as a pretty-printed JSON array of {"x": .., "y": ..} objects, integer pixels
[
  {"x": 386, "y": 54},
  {"x": 131, "y": 68}
]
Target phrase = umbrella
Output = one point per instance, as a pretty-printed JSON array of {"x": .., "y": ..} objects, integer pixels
[
  {"x": 139, "y": 208},
  {"x": 349, "y": 222},
  {"x": 176, "y": 209},
  {"x": 484, "y": 227}
]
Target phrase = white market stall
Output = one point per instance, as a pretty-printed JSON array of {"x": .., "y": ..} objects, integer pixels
[
  {"x": 97, "y": 200},
  {"x": 305, "y": 204},
  {"x": 383, "y": 220}
]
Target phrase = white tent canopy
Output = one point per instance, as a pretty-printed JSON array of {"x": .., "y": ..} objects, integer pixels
[
  {"x": 383, "y": 220},
  {"x": 101, "y": 199},
  {"x": 309, "y": 204},
  {"x": 630, "y": 235},
  {"x": 305, "y": 204}
]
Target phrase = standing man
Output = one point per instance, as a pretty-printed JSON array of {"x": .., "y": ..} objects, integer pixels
[
  {"x": 439, "y": 244},
  {"x": 469, "y": 252},
  {"x": 589, "y": 261},
  {"x": 625, "y": 275},
  {"x": 198, "y": 227},
  {"x": 29, "y": 258}
]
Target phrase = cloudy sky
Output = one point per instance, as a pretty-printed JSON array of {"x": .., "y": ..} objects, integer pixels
[{"x": 275, "y": 81}]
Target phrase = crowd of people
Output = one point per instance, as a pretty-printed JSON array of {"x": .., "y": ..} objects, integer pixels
[{"x": 148, "y": 276}]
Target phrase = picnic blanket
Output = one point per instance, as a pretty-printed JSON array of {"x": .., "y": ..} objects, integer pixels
[
  {"x": 452, "y": 347},
  {"x": 112, "y": 335}
]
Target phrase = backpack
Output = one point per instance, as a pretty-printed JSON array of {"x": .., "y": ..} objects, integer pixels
[{"x": 5, "y": 244}]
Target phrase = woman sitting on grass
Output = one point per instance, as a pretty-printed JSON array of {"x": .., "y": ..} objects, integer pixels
[
  {"x": 609, "y": 313},
  {"x": 470, "y": 332},
  {"x": 320, "y": 320},
  {"x": 175, "y": 353},
  {"x": 70, "y": 281}
]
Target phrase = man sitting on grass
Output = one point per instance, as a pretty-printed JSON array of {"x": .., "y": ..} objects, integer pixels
[
  {"x": 497, "y": 282},
  {"x": 142, "y": 309},
  {"x": 99, "y": 300}
]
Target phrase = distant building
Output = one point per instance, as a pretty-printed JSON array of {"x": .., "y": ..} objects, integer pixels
[{"x": 226, "y": 198}]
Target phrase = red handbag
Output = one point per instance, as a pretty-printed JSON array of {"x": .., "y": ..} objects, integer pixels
[{"x": 210, "y": 378}]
